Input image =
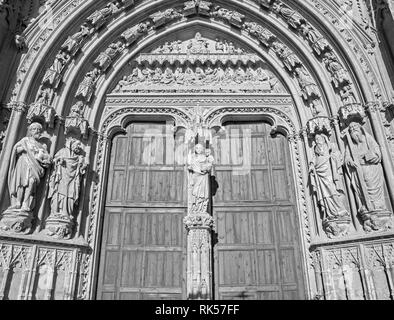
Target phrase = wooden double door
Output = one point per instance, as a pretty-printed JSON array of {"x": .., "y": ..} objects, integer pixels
[{"x": 257, "y": 252}]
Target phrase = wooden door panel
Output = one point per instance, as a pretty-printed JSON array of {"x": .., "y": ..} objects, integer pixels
[
  {"x": 143, "y": 243},
  {"x": 257, "y": 255}
]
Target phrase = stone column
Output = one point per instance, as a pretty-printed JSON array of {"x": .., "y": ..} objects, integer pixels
[
  {"x": 199, "y": 256},
  {"x": 18, "y": 111}
]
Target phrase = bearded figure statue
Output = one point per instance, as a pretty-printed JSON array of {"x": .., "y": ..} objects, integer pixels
[
  {"x": 326, "y": 182},
  {"x": 363, "y": 159},
  {"x": 64, "y": 188},
  {"x": 29, "y": 160}
]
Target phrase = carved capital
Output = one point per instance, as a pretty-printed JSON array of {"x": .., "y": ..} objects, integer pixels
[
  {"x": 199, "y": 221},
  {"x": 351, "y": 112},
  {"x": 319, "y": 125},
  {"x": 18, "y": 106}
]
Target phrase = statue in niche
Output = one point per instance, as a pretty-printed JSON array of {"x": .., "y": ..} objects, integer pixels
[
  {"x": 98, "y": 18},
  {"x": 363, "y": 159},
  {"x": 86, "y": 88},
  {"x": 262, "y": 34},
  {"x": 337, "y": 71},
  {"x": 200, "y": 165},
  {"x": 52, "y": 76},
  {"x": 64, "y": 187},
  {"x": 318, "y": 42},
  {"x": 45, "y": 96},
  {"x": 131, "y": 35},
  {"x": 307, "y": 84},
  {"x": 326, "y": 182},
  {"x": 104, "y": 60},
  {"x": 73, "y": 43},
  {"x": 347, "y": 95},
  {"x": 179, "y": 76},
  {"x": 293, "y": 18},
  {"x": 29, "y": 160},
  {"x": 168, "y": 76},
  {"x": 290, "y": 60}
]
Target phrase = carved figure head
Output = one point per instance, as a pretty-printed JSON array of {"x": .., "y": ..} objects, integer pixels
[
  {"x": 356, "y": 132},
  {"x": 322, "y": 146},
  {"x": 35, "y": 130},
  {"x": 199, "y": 149}
]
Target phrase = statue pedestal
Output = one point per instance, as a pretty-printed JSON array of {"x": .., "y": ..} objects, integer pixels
[
  {"x": 59, "y": 226},
  {"x": 379, "y": 220},
  {"x": 338, "y": 227},
  {"x": 16, "y": 220}
]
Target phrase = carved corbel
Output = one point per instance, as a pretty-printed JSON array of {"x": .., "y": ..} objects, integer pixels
[{"x": 42, "y": 113}]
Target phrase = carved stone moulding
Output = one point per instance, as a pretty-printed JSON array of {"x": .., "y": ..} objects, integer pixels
[
  {"x": 199, "y": 221},
  {"x": 352, "y": 112},
  {"x": 16, "y": 221},
  {"x": 319, "y": 125},
  {"x": 59, "y": 226},
  {"x": 39, "y": 112},
  {"x": 380, "y": 220}
]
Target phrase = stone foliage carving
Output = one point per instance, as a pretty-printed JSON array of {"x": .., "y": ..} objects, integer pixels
[
  {"x": 200, "y": 165},
  {"x": 326, "y": 180},
  {"x": 64, "y": 188},
  {"x": 29, "y": 161},
  {"x": 363, "y": 159}
]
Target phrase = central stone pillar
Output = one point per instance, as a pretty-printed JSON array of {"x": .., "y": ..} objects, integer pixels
[{"x": 199, "y": 224}]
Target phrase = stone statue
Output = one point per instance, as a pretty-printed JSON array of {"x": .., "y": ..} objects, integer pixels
[
  {"x": 318, "y": 42},
  {"x": 105, "y": 59},
  {"x": 52, "y": 76},
  {"x": 64, "y": 187},
  {"x": 99, "y": 17},
  {"x": 86, "y": 88},
  {"x": 289, "y": 58},
  {"x": 29, "y": 159},
  {"x": 292, "y": 17},
  {"x": 307, "y": 84},
  {"x": 337, "y": 71},
  {"x": 326, "y": 182},
  {"x": 262, "y": 34},
  {"x": 363, "y": 159},
  {"x": 73, "y": 43},
  {"x": 133, "y": 34},
  {"x": 200, "y": 165}
]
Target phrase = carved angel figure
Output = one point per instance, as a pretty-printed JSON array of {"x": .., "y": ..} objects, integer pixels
[
  {"x": 29, "y": 159},
  {"x": 290, "y": 60},
  {"x": 200, "y": 165},
  {"x": 65, "y": 181}
]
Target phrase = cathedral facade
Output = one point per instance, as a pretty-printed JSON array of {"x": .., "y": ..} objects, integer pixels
[{"x": 195, "y": 149}]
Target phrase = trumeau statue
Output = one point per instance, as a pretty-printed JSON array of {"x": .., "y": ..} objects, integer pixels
[
  {"x": 64, "y": 187},
  {"x": 29, "y": 159},
  {"x": 200, "y": 165},
  {"x": 326, "y": 181},
  {"x": 363, "y": 159}
]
